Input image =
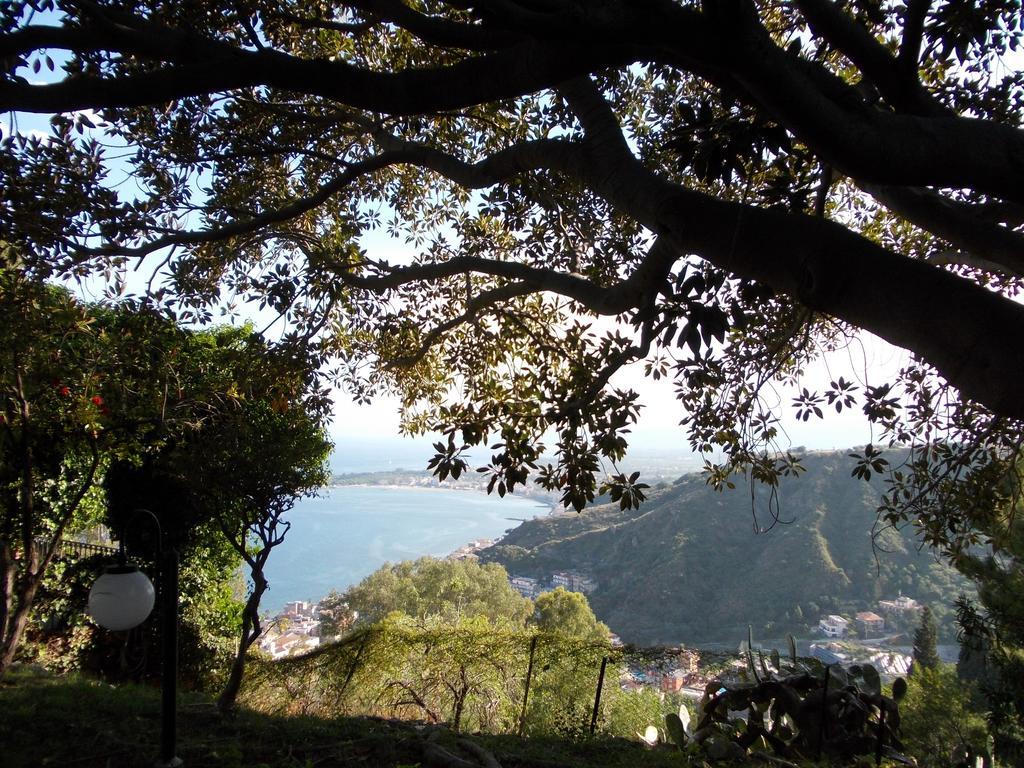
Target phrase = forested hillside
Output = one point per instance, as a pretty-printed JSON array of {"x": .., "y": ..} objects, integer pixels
[{"x": 689, "y": 566}]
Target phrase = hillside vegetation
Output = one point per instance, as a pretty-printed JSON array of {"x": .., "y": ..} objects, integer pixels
[
  {"x": 53, "y": 720},
  {"x": 694, "y": 565}
]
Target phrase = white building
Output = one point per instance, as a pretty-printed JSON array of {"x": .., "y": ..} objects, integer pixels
[
  {"x": 525, "y": 585},
  {"x": 299, "y": 608},
  {"x": 573, "y": 581},
  {"x": 899, "y": 607},
  {"x": 834, "y": 626}
]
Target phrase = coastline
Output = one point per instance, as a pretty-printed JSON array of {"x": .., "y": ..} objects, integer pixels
[
  {"x": 540, "y": 500},
  {"x": 340, "y": 538}
]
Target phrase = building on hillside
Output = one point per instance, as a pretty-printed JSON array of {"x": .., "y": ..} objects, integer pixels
[
  {"x": 901, "y": 607},
  {"x": 869, "y": 623},
  {"x": 834, "y": 626},
  {"x": 573, "y": 581},
  {"x": 472, "y": 550},
  {"x": 672, "y": 681},
  {"x": 889, "y": 664},
  {"x": 561, "y": 579},
  {"x": 525, "y": 585},
  {"x": 689, "y": 660},
  {"x": 288, "y": 644},
  {"x": 299, "y": 608}
]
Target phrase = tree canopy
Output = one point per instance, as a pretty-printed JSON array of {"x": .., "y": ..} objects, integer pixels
[
  {"x": 180, "y": 422},
  {"x": 568, "y": 612},
  {"x": 450, "y": 589},
  {"x": 740, "y": 185}
]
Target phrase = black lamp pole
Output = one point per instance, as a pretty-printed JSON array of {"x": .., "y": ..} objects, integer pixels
[{"x": 169, "y": 665}]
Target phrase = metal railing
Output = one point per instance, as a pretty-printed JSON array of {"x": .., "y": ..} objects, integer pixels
[{"x": 79, "y": 549}]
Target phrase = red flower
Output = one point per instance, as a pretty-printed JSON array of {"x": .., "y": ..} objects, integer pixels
[
  {"x": 97, "y": 400},
  {"x": 65, "y": 391}
]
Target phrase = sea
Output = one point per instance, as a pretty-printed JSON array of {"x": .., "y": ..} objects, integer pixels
[{"x": 348, "y": 532}]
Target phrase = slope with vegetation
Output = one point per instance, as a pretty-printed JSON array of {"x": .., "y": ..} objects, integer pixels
[
  {"x": 50, "y": 720},
  {"x": 712, "y": 562}
]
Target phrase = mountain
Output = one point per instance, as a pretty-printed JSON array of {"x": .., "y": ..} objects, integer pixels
[{"x": 694, "y": 565}]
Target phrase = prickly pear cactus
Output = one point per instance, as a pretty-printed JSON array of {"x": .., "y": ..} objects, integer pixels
[{"x": 799, "y": 709}]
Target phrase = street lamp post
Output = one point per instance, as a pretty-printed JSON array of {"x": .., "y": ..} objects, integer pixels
[
  {"x": 121, "y": 599},
  {"x": 169, "y": 663}
]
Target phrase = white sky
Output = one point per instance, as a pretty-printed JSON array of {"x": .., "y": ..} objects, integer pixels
[{"x": 658, "y": 426}]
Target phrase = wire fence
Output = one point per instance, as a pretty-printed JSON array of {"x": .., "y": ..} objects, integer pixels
[{"x": 474, "y": 677}]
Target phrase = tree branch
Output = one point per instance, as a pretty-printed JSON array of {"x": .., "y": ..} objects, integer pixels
[
  {"x": 195, "y": 65},
  {"x": 477, "y": 305},
  {"x": 933, "y": 148},
  {"x": 999, "y": 247},
  {"x": 601, "y": 300},
  {"x": 870, "y": 145},
  {"x": 898, "y": 85},
  {"x": 913, "y": 32},
  {"x": 248, "y": 226},
  {"x": 438, "y": 31}
]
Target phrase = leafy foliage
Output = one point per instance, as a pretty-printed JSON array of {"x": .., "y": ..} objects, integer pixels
[
  {"x": 724, "y": 193},
  {"x": 941, "y": 720},
  {"x": 450, "y": 641},
  {"x": 157, "y": 412},
  {"x": 992, "y": 653},
  {"x": 468, "y": 674},
  {"x": 429, "y": 587},
  {"x": 52, "y": 434}
]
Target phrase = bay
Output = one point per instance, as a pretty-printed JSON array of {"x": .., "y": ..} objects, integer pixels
[{"x": 348, "y": 532}]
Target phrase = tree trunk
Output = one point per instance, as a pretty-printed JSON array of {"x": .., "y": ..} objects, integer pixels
[
  {"x": 251, "y": 631},
  {"x": 7, "y": 573},
  {"x": 460, "y": 699},
  {"x": 17, "y": 621}
]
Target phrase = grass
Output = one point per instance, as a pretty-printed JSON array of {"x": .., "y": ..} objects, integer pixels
[{"x": 73, "y": 721}]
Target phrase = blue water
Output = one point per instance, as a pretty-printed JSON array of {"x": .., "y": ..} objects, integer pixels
[{"x": 347, "y": 533}]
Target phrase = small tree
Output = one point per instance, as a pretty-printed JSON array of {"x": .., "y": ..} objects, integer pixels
[
  {"x": 941, "y": 724},
  {"x": 241, "y": 467},
  {"x": 926, "y": 654},
  {"x": 568, "y": 613},
  {"x": 51, "y": 435},
  {"x": 336, "y": 618},
  {"x": 253, "y": 470},
  {"x": 427, "y": 587}
]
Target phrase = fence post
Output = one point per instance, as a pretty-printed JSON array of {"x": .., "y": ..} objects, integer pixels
[
  {"x": 823, "y": 726},
  {"x": 881, "y": 736},
  {"x": 597, "y": 697},
  {"x": 526, "y": 691}
]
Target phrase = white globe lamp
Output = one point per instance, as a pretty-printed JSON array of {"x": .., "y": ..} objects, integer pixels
[{"x": 121, "y": 598}]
